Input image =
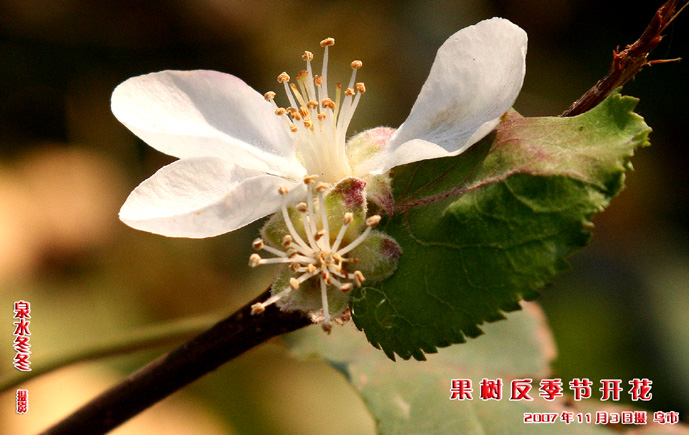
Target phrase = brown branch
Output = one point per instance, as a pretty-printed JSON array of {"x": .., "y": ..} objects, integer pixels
[
  {"x": 628, "y": 62},
  {"x": 178, "y": 368}
]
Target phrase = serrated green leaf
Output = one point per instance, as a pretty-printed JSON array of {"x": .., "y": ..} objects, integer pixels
[
  {"x": 411, "y": 397},
  {"x": 481, "y": 231}
]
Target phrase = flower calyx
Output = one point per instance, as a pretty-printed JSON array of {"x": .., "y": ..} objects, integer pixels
[{"x": 320, "y": 245}]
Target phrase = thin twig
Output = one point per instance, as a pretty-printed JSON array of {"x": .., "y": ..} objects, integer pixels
[
  {"x": 178, "y": 368},
  {"x": 628, "y": 62},
  {"x": 144, "y": 338}
]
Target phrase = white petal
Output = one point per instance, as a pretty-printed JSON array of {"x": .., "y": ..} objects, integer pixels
[
  {"x": 203, "y": 197},
  {"x": 476, "y": 77},
  {"x": 206, "y": 113}
]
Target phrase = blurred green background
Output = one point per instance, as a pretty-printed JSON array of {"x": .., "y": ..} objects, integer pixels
[{"x": 66, "y": 166}]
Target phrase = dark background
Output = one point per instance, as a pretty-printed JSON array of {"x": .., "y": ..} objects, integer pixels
[{"x": 66, "y": 166}]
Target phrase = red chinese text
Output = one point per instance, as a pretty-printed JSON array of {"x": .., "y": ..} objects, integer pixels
[
  {"x": 461, "y": 389},
  {"x": 641, "y": 389},
  {"x": 520, "y": 389},
  {"x": 21, "y": 336},
  {"x": 550, "y": 389},
  {"x": 491, "y": 389},
  {"x": 581, "y": 388},
  {"x": 611, "y": 389},
  {"x": 22, "y": 401},
  {"x": 670, "y": 417}
]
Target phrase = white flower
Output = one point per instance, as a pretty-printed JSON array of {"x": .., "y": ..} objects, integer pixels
[{"x": 235, "y": 152}]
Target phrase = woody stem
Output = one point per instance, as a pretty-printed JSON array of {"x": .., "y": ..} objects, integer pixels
[
  {"x": 145, "y": 338},
  {"x": 206, "y": 352},
  {"x": 628, "y": 62}
]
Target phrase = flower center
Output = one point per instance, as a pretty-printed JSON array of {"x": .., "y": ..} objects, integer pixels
[
  {"x": 320, "y": 256},
  {"x": 317, "y": 123}
]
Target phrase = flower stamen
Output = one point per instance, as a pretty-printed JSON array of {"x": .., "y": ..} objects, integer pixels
[
  {"x": 370, "y": 223},
  {"x": 348, "y": 217},
  {"x": 309, "y": 180},
  {"x": 260, "y": 307},
  {"x": 290, "y": 226},
  {"x": 327, "y": 42},
  {"x": 259, "y": 245},
  {"x": 320, "y": 145},
  {"x": 318, "y": 259},
  {"x": 326, "y": 309},
  {"x": 321, "y": 188}
]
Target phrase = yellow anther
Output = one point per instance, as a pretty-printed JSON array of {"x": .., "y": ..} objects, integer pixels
[
  {"x": 307, "y": 56},
  {"x": 301, "y": 75},
  {"x": 328, "y": 103},
  {"x": 327, "y": 42},
  {"x": 257, "y": 308},
  {"x": 349, "y": 92},
  {"x": 304, "y": 112},
  {"x": 287, "y": 241},
  {"x": 359, "y": 277},
  {"x": 258, "y": 244},
  {"x": 311, "y": 268},
  {"x": 319, "y": 234},
  {"x": 312, "y": 104},
  {"x": 308, "y": 124},
  {"x": 280, "y": 111},
  {"x": 346, "y": 287},
  {"x": 283, "y": 77},
  {"x": 357, "y": 64},
  {"x": 301, "y": 207},
  {"x": 325, "y": 276},
  {"x": 283, "y": 190},
  {"x": 322, "y": 116},
  {"x": 295, "y": 115},
  {"x": 361, "y": 87},
  {"x": 294, "y": 267},
  {"x": 348, "y": 218},
  {"x": 318, "y": 80},
  {"x": 254, "y": 260},
  {"x": 308, "y": 179},
  {"x": 373, "y": 220},
  {"x": 293, "y": 283},
  {"x": 322, "y": 187},
  {"x": 269, "y": 95},
  {"x": 293, "y": 128}
]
